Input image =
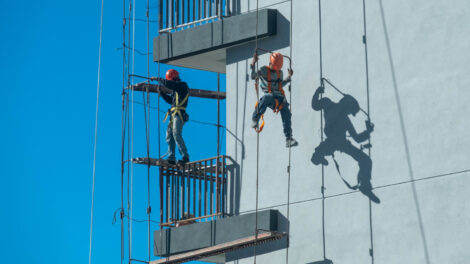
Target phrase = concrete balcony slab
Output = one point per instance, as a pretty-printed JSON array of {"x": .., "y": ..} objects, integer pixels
[{"x": 204, "y": 47}]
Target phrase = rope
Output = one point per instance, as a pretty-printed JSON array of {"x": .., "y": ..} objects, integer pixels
[
  {"x": 159, "y": 130},
  {"x": 364, "y": 40},
  {"x": 123, "y": 125},
  {"x": 128, "y": 135},
  {"x": 147, "y": 127},
  {"x": 131, "y": 219},
  {"x": 257, "y": 138},
  {"x": 96, "y": 134},
  {"x": 403, "y": 131},
  {"x": 131, "y": 178},
  {"x": 322, "y": 136},
  {"x": 290, "y": 147}
]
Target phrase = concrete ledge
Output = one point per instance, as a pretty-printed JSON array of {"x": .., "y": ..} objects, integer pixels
[
  {"x": 203, "y": 47},
  {"x": 206, "y": 234}
]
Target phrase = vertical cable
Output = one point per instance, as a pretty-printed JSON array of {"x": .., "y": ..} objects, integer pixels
[
  {"x": 290, "y": 147},
  {"x": 218, "y": 147},
  {"x": 147, "y": 126},
  {"x": 123, "y": 122},
  {"x": 364, "y": 40},
  {"x": 96, "y": 134},
  {"x": 403, "y": 131},
  {"x": 129, "y": 164},
  {"x": 257, "y": 137},
  {"x": 321, "y": 128},
  {"x": 132, "y": 9}
]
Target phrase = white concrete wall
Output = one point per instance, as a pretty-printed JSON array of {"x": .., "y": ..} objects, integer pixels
[{"x": 430, "y": 44}]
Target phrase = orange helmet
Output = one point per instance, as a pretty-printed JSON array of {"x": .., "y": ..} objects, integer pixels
[
  {"x": 172, "y": 74},
  {"x": 276, "y": 60}
]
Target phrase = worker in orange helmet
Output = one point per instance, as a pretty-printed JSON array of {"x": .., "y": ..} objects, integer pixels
[
  {"x": 272, "y": 83},
  {"x": 178, "y": 99}
]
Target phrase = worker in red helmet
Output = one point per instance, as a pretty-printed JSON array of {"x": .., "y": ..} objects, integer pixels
[
  {"x": 178, "y": 99},
  {"x": 272, "y": 83}
]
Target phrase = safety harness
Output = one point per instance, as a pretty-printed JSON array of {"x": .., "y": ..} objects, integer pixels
[
  {"x": 278, "y": 106},
  {"x": 176, "y": 110}
]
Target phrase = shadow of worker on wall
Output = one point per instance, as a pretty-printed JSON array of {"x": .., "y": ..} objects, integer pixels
[{"x": 337, "y": 123}]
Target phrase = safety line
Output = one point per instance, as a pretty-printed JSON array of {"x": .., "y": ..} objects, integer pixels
[
  {"x": 257, "y": 135},
  {"x": 131, "y": 219},
  {"x": 123, "y": 126},
  {"x": 290, "y": 147},
  {"x": 131, "y": 130},
  {"x": 96, "y": 134},
  {"x": 321, "y": 130},
  {"x": 147, "y": 127},
  {"x": 403, "y": 131},
  {"x": 159, "y": 134},
  {"x": 364, "y": 41}
]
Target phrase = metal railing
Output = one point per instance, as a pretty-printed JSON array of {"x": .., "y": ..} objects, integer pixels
[
  {"x": 176, "y": 14},
  {"x": 195, "y": 191}
]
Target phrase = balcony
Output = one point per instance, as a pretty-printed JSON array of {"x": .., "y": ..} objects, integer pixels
[{"x": 203, "y": 45}]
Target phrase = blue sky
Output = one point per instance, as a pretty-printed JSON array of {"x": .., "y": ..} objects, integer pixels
[{"x": 49, "y": 59}]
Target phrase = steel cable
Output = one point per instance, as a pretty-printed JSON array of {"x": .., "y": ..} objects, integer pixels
[{"x": 96, "y": 134}]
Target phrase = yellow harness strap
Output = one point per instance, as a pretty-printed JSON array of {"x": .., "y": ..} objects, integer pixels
[{"x": 177, "y": 108}]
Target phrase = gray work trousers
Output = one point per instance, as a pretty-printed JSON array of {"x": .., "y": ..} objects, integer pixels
[
  {"x": 268, "y": 101},
  {"x": 174, "y": 137}
]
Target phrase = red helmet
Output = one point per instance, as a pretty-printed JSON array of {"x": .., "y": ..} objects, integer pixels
[
  {"x": 276, "y": 60},
  {"x": 172, "y": 74}
]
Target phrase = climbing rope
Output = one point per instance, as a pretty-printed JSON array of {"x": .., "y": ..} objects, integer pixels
[
  {"x": 321, "y": 129},
  {"x": 290, "y": 147},
  {"x": 159, "y": 136},
  {"x": 147, "y": 127},
  {"x": 405, "y": 137},
  {"x": 257, "y": 136},
  {"x": 131, "y": 129},
  {"x": 123, "y": 126},
  {"x": 96, "y": 135},
  {"x": 366, "y": 57},
  {"x": 367, "y": 113}
]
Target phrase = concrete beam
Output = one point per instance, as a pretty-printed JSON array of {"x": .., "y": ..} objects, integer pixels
[
  {"x": 173, "y": 241},
  {"x": 203, "y": 47}
]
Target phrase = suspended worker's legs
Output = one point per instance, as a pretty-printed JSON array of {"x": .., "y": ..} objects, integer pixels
[
  {"x": 170, "y": 140},
  {"x": 286, "y": 116},
  {"x": 365, "y": 169},
  {"x": 266, "y": 101},
  {"x": 178, "y": 124},
  {"x": 324, "y": 149}
]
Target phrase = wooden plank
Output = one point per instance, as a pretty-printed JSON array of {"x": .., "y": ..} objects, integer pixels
[
  {"x": 221, "y": 248},
  {"x": 155, "y": 88}
]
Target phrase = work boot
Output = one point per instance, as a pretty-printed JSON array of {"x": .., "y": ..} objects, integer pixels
[
  {"x": 254, "y": 123},
  {"x": 291, "y": 142},
  {"x": 183, "y": 161},
  {"x": 366, "y": 189},
  {"x": 171, "y": 161},
  {"x": 317, "y": 159}
]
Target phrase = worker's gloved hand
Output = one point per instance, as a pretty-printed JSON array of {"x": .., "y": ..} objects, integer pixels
[
  {"x": 369, "y": 126},
  {"x": 290, "y": 72},
  {"x": 320, "y": 89},
  {"x": 255, "y": 59},
  {"x": 158, "y": 79}
]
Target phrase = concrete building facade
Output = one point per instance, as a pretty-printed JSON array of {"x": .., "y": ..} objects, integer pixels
[{"x": 429, "y": 47}]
